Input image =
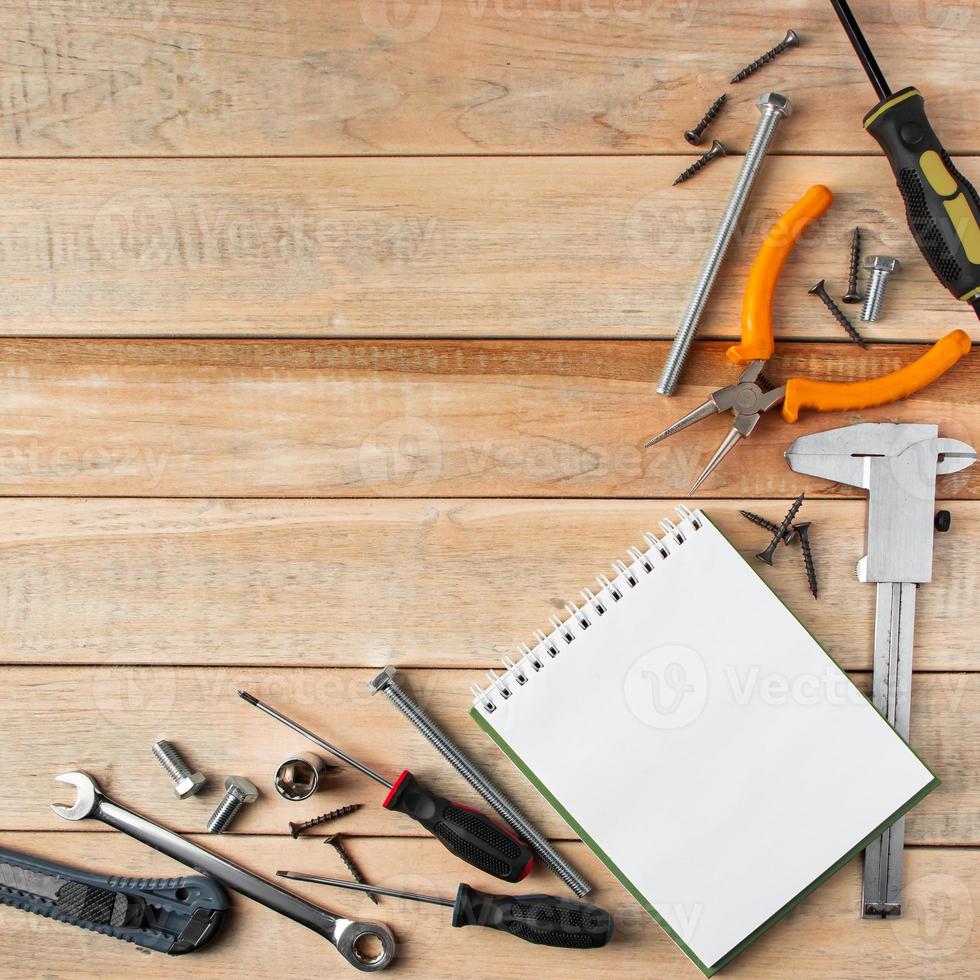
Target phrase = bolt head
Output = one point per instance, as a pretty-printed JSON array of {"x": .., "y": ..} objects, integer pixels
[
  {"x": 381, "y": 681},
  {"x": 189, "y": 786},
  {"x": 792, "y": 39},
  {"x": 717, "y": 150},
  {"x": 852, "y": 298},
  {"x": 802, "y": 527},
  {"x": 692, "y": 137},
  {"x": 882, "y": 263},
  {"x": 775, "y": 102},
  {"x": 243, "y": 788}
]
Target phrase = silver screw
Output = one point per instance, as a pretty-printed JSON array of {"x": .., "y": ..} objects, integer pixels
[
  {"x": 774, "y": 109},
  {"x": 880, "y": 267},
  {"x": 238, "y": 792},
  {"x": 186, "y": 782},
  {"x": 386, "y": 683}
]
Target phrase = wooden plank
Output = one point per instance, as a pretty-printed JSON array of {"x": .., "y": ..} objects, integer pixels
[
  {"x": 439, "y": 418},
  {"x": 822, "y": 939},
  {"x": 557, "y": 247},
  {"x": 103, "y": 720},
  {"x": 453, "y": 76},
  {"x": 433, "y": 583}
]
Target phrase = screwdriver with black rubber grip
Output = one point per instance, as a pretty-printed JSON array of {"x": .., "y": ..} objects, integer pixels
[
  {"x": 544, "y": 920},
  {"x": 941, "y": 205},
  {"x": 466, "y": 832}
]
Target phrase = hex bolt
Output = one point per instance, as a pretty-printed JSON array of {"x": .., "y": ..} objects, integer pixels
[
  {"x": 792, "y": 40},
  {"x": 186, "y": 782},
  {"x": 693, "y": 136},
  {"x": 853, "y": 294},
  {"x": 880, "y": 267},
  {"x": 238, "y": 792},
  {"x": 716, "y": 151},
  {"x": 774, "y": 108},
  {"x": 766, "y": 556},
  {"x": 385, "y": 682},
  {"x": 820, "y": 290}
]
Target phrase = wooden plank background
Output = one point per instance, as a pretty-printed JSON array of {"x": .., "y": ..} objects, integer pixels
[{"x": 330, "y": 333}]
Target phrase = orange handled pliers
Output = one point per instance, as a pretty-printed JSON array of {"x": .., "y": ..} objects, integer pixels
[{"x": 753, "y": 394}]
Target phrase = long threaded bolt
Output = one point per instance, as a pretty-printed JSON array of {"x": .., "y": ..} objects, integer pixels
[
  {"x": 853, "y": 294},
  {"x": 820, "y": 290},
  {"x": 238, "y": 792},
  {"x": 693, "y": 136},
  {"x": 774, "y": 109},
  {"x": 766, "y": 555},
  {"x": 716, "y": 151},
  {"x": 334, "y": 841},
  {"x": 186, "y": 782},
  {"x": 386, "y": 683},
  {"x": 297, "y": 828},
  {"x": 880, "y": 267},
  {"x": 803, "y": 530},
  {"x": 771, "y": 526},
  {"x": 792, "y": 40}
]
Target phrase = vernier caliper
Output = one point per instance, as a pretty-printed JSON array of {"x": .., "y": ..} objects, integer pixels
[{"x": 897, "y": 464}]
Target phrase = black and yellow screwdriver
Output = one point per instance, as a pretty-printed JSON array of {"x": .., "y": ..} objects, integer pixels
[{"x": 941, "y": 205}]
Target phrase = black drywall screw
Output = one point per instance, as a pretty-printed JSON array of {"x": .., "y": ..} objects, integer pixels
[
  {"x": 297, "y": 828},
  {"x": 792, "y": 40},
  {"x": 717, "y": 150},
  {"x": 766, "y": 555},
  {"x": 820, "y": 290},
  {"x": 693, "y": 136},
  {"x": 853, "y": 295},
  {"x": 334, "y": 841},
  {"x": 803, "y": 530},
  {"x": 771, "y": 526}
]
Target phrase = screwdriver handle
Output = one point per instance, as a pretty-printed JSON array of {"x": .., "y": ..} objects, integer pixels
[
  {"x": 466, "y": 832},
  {"x": 941, "y": 205},
  {"x": 541, "y": 919}
]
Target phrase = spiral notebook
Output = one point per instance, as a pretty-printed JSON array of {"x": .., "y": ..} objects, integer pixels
[{"x": 700, "y": 741}]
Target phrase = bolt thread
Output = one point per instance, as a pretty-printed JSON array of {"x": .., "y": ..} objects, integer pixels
[
  {"x": 706, "y": 119},
  {"x": 871, "y": 311},
  {"x": 854, "y": 263},
  {"x": 225, "y": 813},
  {"x": 171, "y": 760},
  {"x": 698, "y": 164},
  {"x": 352, "y": 868},
  {"x": 500, "y": 804},
  {"x": 295, "y": 828},
  {"x": 760, "y": 61},
  {"x": 811, "y": 571},
  {"x": 841, "y": 318},
  {"x": 754, "y": 155}
]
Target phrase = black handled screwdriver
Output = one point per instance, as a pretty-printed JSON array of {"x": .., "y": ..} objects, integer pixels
[
  {"x": 541, "y": 919},
  {"x": 465, "y": 832},
  {"x": 941, "y": 205}
]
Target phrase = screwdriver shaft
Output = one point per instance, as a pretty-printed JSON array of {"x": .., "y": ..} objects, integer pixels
[
  {"x": 371, "y": 889},
  {"x": 300, "y": 730}
]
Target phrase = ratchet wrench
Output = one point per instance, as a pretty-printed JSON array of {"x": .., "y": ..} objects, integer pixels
[{"x": 345, "y": 934}]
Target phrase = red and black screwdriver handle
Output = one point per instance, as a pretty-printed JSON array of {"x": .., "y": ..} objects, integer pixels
[
  {"x": 941, "y": 205},
  {"x": 469, "y": 834},
  {"x": 541, "y": 919}
]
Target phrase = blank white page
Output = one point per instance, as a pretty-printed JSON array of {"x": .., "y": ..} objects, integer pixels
[{"x": 704, "y": 741}]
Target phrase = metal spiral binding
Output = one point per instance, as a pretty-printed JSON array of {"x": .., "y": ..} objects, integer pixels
[{"x": 534, "y": 659}]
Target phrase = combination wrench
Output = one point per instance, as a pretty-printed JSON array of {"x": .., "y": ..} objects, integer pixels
[{"x": 345, "y": 934}]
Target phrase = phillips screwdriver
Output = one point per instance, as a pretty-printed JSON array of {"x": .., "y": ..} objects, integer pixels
[
  {"x": 465, "y": 832},
  {"x": 541, "y": 919},
  {"x": 941, "y": 205}
]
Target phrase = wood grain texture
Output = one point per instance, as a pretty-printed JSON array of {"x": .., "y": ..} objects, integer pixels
[
  {"x": 108, "y": 717},
  {"x": 453, "y": 76},
  {"x": 425, "y": 419},
  {"x": 549, "y": 247},
  {"x": 936, "y": 936},
  {"x": 429, "y": 583}
]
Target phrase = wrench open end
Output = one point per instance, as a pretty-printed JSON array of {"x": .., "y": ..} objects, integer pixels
[{"x": 84, "y": 804}]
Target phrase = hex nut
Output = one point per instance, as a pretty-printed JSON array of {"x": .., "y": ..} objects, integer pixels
[
  {"x": 776, "y": 102},
  {"x": 189, "y": 786},
  {"x": 882, "y": 263}
]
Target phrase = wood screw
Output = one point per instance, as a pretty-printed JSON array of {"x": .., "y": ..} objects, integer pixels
[
  {"x": 717, "y": 150},
  {"x": 766, "y": 556},
  {"x": 335, "y": 842},
  {"x": 792, "y": 40},
  {"x": 853, "y": 295},
  {"x": 297, "y": 828},
  {"x": 693, "y": 136},
  {"x": 820, "y": 290}
]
